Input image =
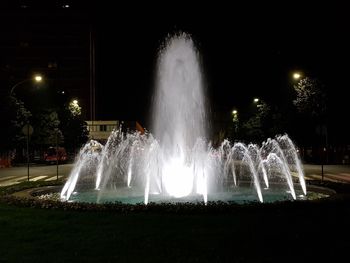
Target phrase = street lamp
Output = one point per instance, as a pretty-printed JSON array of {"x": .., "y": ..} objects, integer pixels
[
  {"x": 235, "y": 119},
  {"x": 27, "y": 129},
  {"x": 256, "y": 101},
  {"x": 37, "y": 78},
  {"x": 296, "y": 75}
]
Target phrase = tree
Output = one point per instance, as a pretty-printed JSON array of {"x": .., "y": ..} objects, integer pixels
[
  {"x": 310, "y": 98},
  {"x": 46, "y": 128},
  {"x": 312, "y": 105},
  {"x": 74, "y": 108},
  {"x": 255, "y": 127},
  {"x": 73, "y": 127},
  {"x": 13, "y": 117}
]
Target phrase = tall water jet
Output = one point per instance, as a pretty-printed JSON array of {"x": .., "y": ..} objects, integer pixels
[{"x": 179, "y": 116}]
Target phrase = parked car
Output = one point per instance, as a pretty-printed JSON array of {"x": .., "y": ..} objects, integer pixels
[{"x": 50, "y": 155}]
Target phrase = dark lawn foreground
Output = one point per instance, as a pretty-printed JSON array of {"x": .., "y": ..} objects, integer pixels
[{"x": 290, "y": 232}]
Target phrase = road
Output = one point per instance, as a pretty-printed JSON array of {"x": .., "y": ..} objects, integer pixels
[
  {"x": 335, "y": 173},
  {"x": 14, "y": 175}
]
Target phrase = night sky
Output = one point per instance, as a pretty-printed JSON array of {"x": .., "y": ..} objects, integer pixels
[{"x": 247, "y": 50}]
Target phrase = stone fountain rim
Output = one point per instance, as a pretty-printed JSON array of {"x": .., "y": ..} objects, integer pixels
[
  {"x": 34, "y": 192},
  {"x": 26, "y": 198}
]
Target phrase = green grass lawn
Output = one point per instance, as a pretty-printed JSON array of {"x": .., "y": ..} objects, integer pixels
[{"x": 292, "y": 233}]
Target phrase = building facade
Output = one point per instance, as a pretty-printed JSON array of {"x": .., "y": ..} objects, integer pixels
[{"x": 101, "y": 129}]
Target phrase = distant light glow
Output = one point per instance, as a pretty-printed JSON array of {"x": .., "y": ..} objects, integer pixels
[
  {"x": 296, "y": 75},
  {"x": 256, "y": 100},
  {"x": 65, "y": 6},
  {"x": 234, "y": 112},
  {"x": 75, "y": 102},
  {"x": 38, "y": 78}
]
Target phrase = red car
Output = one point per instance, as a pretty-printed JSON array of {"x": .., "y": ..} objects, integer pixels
[{"x": 50, "y": 155}]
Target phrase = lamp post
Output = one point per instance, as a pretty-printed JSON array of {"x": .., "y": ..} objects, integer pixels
[
  {"x": 235, "y": 119},
  {"x": 57, "y": 156},
  {"x": 311, "y": 101},
  {"x": 37, "y": 78},
  {"x": 27, "y": 129}
]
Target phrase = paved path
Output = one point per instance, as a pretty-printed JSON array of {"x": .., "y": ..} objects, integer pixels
[{"x": 14, "y": 175}]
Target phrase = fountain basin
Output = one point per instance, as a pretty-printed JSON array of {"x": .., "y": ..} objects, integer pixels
[{"x": 244, "y": 193}]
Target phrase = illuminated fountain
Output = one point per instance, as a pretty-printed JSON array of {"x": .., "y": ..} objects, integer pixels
[{"x": 175, "y": 162}]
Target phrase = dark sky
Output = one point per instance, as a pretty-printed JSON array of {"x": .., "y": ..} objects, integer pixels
[{"x": 247, "y": 49}]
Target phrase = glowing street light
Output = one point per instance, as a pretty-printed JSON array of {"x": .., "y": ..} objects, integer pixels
[
  {"x": 256, "y": 100},
  {"x": 235, "y": 119},
  {"x": 296, "y": 75},
  {"x": 37, "y": 78}
]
